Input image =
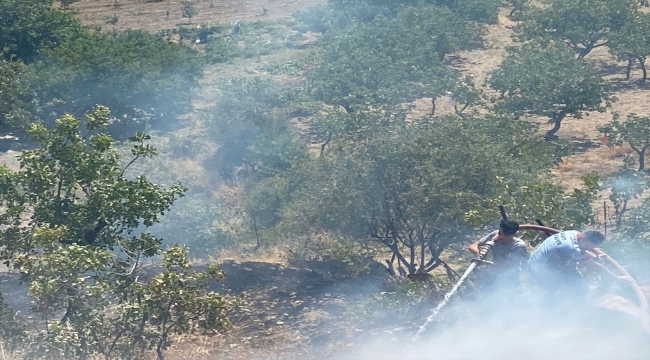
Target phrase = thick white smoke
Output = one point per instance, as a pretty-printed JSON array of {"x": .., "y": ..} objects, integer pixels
[{"x": 520, "y": 327}]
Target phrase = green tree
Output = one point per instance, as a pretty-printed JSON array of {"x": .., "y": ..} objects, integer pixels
[
  {"x": 28, "y": 26},
  {"x": 140, "y": 76},
  {"x": 485, "y": 11},
  {"x": 18, "y": 102},
  {"x": 188, "y": 10},
  {"x": 547, "y": 201},
  {"x": 339, "y": 14},
  {"x": 547, "y": 80},
  {"x": 583, "y": 24},
  {"x": 410, "y": 188},
  {"x": 627, "y": 184},
  {"x": 112, "y": 20},
  {"x": 69, "y": 224},
  {"x": 631, "y": 43},
  {"x": 251, "y": 122},
  {"x": 635, "y": 131},
  {"x": 390, "y": 61}
]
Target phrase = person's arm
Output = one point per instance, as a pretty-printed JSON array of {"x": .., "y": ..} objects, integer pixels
[
  {"x": 598, "y": 267},
  {"x": 474, "y": 247}
]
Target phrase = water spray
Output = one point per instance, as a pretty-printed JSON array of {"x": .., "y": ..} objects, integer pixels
[{"x": 479, "y": 259}]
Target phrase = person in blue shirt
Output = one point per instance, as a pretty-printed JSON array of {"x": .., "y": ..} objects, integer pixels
[{"x": 554, "y": 263}]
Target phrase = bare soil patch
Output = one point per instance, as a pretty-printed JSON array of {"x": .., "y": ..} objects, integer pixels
[{"x": 154, "y": 16}]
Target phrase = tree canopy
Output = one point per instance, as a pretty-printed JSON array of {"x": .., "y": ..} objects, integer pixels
[
  {"x": 583, "y": 24},
  {"x": 546, "y": 79},
  {"x": 631, "y": 42},
  {"x": 18, "y": 102},
  {"x": 136, "y": 74},
  {"x": 70, "y": 68},
  {"x": 390, "y": 61},
  {"x": 635, "y": 131},
  {"x": 411, "y": 187},
  {"x": 74, "y": 226},
  {"x": 28, "y": 26}
]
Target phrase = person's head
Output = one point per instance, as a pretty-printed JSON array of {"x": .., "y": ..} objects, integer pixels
[
  {"x": 508, "y": 229},
  {"x": 590, "y": 239}
]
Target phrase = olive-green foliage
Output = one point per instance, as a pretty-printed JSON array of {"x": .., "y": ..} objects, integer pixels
[
  {"x": 630, "y": 243},
  {"x": 66, "y": 3},
  {"x": 257, "y": 39},
  {"x": 193, "y": 222},
  {"x": 546, "y": 79},
  {"x": 137, "y": 74},
  {"x": 69, "y": 225},
  {"x": 18, "y": 102},
  {"x": 635, "y": 131},
  {"x": 410, "y": 187},
  {"x": 28, "y": 26},
  {"x": 546, "y": 201},
  {"x": 485, "y": 11},
  {"x": 390, "y": 61},
  {"x": 339, "y": 14},
  {"x": 583, "y": 24},
  {"x": 14, "y": 330},
  {"x": 631, "y": 42},
  {"x": 188, "y": 10},
  {"x": 251, "y": 123},
  {"x": 627, "y": 184}
]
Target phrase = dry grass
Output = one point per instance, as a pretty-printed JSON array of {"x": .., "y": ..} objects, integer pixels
[{"x": 152, "y": 16}]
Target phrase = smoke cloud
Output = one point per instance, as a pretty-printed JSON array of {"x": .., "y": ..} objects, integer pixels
[{"x": 503, "y": 326}]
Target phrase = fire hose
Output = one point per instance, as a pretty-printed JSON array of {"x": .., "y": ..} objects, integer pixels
[
  {"x": 600, "y": 254},
  {"x": 485, "y": 249}
]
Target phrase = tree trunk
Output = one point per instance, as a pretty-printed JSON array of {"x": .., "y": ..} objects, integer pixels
[
  {"x": 391, "y": 269},
  {"x": 642, "y": 159},
  {"x": 557, "y": 122},
  {"x": 645, "y": 72},
  {"x": 629, "y": 68},
  {"x": 433, "y": 107},
  {"x": 585, "y": 51},
  {"x": 422, "y": 248}
]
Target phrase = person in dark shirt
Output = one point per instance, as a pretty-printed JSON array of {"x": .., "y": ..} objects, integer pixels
[{"x": 508, "y": 255}]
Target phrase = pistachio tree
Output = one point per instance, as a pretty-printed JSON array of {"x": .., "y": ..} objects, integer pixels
[
  {"x": 391, "y": 60},
  {"x": 74, "y": 226},
  {"x": 18, "y": 101},
  {"x": 583, "y": 24},
  {"x": 545, "y": 79},
  {"x": 631, "y": 43},
  {"x": 635, "y": 131},
  {"x": 410, "y": 188}
]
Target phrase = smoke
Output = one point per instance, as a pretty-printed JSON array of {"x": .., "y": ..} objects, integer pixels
[{"x": 523, "y": 326}]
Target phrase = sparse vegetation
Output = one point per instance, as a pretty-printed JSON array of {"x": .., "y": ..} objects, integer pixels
[{"x": 188, "y": 10}]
